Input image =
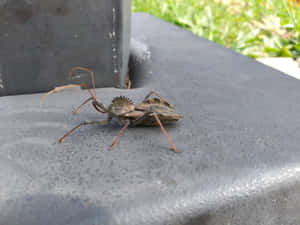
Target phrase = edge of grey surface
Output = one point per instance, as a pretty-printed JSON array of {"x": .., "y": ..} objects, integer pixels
[{"x": 239, "y": 139}]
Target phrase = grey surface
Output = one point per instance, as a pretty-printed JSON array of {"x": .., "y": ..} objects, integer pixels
[
  {"x": 41, "y": 40},
  {"x": 239, "y": 139}
]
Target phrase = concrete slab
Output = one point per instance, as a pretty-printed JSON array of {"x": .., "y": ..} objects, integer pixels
[
  {"x": 285, "y": 65},
  {"x": 239, "y": 139}
]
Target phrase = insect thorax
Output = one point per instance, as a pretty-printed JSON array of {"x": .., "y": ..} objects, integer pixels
[{"x": 121, "y": 105}]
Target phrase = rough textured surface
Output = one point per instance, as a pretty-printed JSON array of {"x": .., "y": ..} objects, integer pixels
[
  {"x": 239, "y": 139},
  {"x": 41, "y": 40}
]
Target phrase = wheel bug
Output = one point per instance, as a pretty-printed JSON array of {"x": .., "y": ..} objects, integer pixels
[{"x": 150, "y": 112}]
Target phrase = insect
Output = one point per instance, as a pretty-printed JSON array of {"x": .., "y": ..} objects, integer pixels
[{"x": 150, "y": 112}]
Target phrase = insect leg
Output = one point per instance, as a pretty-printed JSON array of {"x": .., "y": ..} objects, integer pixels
[
  {"x": 119, "y": 135},
  {"x": 87, "y": 70},
  {"x": 135, "y": 122},
  {"x": 86, "y": 101},
  {"x": 157, "y": 95},
  {"x": 126, "y": 126},
  {"x": 98, "y": 105},
  {"x": 139, "y": 119},
  {"x": 164, "y": 131},
  {"x": 154, "y": 93},
  {"x": 94, "y": 104},
  {"x": 101, "y": 122}
]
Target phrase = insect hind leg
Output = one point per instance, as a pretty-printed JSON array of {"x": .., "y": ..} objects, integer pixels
[
  {"x": 159, "y": 96},
  {"x": 156, "y": 94},
  {"x": 165, "y": 132}
]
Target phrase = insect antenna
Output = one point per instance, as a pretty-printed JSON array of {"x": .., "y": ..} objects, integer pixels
[{"x": 65, "y": 87}]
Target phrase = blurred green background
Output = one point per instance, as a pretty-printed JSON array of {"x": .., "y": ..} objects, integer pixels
[{"x": 257, "y": 28}]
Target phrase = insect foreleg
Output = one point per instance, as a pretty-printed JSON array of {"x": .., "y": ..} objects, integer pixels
[
  {"x": 98, "y": 105},
  {"x": 101, "y": 122},
  {"x": 86, "y": 101}
]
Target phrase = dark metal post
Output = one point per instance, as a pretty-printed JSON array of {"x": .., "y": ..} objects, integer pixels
[{"x": 41, "y": 40}]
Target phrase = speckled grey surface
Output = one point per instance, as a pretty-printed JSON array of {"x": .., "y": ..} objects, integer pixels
[
  {"x": 239, "y": 140},
  {"x": 41, "y": 40}
]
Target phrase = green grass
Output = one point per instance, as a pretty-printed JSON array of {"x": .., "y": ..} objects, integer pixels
[{"x": 255, "y": 28}]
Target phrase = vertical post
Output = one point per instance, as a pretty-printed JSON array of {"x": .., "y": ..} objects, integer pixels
[{"x": 41, "y": 40}]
